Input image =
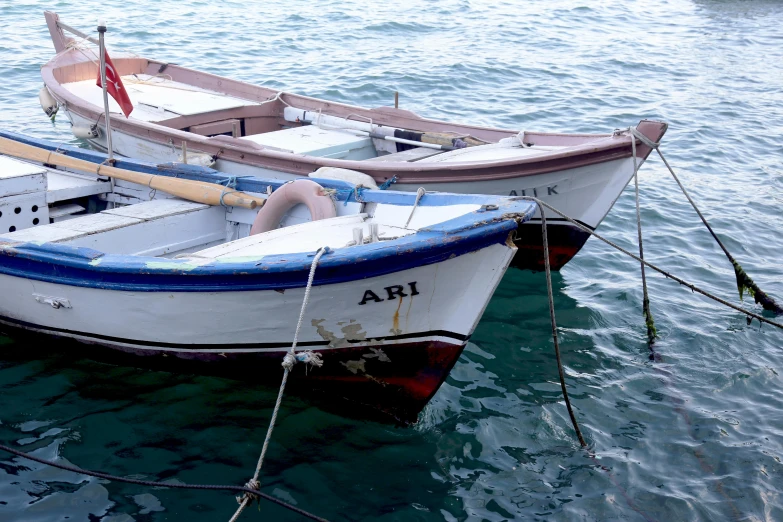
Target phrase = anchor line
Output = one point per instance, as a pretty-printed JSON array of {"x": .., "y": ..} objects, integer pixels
[
  {"x": 743, "y": 279},
  {"x": 692, "y": 287},
  {"x": 289, "y": 360},
  {"x": 151, "y": 483},
  {"x": 554, "y": 330},
  {"x": 648, "y": 318}
]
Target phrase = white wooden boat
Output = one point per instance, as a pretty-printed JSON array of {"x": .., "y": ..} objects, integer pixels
[
  {"x": 252, "y": 130},
  {"x": 121, "y": 266}
]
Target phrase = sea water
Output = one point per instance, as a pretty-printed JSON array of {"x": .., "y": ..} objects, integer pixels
[{"x": 694, "y": 435}]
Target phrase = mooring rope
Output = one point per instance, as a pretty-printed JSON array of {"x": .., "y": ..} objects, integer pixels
[
  {"x": 150, "y": 483},
  {"x": 554, "y": 328},
  {"x": 648, "y": 318},
  {"x": 609, "y": 473},
  {"x": 289, "y": 360},
  {"x": 693, "y": 288},
  {"x": 743, "y": 279}
]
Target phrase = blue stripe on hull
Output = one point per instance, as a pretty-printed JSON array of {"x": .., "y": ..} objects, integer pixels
[{"x": 76, "y": 266}]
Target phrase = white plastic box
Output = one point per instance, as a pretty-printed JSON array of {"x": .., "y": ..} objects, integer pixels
[
  {"x": 17, "y": 177},
  {"x": 310, "y": 140},
  {"x": 22, "y": 195}
]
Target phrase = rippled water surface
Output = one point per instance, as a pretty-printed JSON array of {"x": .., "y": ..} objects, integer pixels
[{"x": 696, "y": 435}]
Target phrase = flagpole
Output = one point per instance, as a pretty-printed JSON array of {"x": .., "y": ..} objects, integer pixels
[{"x": 102, "y": 47}]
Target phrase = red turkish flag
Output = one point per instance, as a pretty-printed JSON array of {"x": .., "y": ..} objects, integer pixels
[{"x": 115, "y": 87}]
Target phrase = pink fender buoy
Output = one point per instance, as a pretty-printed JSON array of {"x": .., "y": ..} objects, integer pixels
[{"x": 301, "y": 191}]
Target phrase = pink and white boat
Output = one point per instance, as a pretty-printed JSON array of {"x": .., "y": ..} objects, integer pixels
[{"x": 243, "y": 129}]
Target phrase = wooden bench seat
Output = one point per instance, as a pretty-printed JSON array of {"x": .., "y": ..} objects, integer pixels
[{"x": 414, "y": 154}]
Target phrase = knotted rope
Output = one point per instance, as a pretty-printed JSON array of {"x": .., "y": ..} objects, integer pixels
[
  {"x": 289, "y": 361},
  {"x": 744, "y": 282},
  {"x": 388, "y": 183},
  {"x": 231, "y": 183},
  {"x": 357, "y": 192}
]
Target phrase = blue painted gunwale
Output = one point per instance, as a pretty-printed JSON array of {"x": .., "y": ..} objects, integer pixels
[{"x": 77, "y": 266}]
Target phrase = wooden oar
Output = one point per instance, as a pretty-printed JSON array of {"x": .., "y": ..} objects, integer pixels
[{"x": 198, "y": 191}]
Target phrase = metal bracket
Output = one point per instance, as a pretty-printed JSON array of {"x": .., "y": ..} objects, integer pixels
[{"x": 54, "y": 302}]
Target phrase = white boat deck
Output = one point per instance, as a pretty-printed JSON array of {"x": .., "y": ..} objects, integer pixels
[
  {"x": 335, "y": 233},
  {"x": 306, "y": 237},
  {"x": 155, "y": 98}
]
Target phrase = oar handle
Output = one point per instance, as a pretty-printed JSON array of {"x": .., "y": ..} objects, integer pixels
[{"x": 198, "y": 191}]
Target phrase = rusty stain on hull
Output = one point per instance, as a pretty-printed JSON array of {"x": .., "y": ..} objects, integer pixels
[{"x": 395, "y": 330}]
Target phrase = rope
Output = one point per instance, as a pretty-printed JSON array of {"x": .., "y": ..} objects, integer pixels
[
  {"x": 388, "y": 183},
  {"x": 153, "y": 191},
  {"x": 231, "y": 182},
  {"x": 693, "y": 288},
  {"x": 277, "y": 97},
  {"x": 357, "y": 192},
  {"x": 358, "y": 195},
  {"x": 648, "y": 318},
  {"x": 554, "y": 329},
  {"x": 743, "y": 279},
  {"x": 419, "y": 194},
  {"x": 288, "y": 363},
  {"x": 175, "y": 485}
]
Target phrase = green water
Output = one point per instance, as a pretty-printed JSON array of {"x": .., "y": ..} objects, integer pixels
[{"x": 694, "y": 435}]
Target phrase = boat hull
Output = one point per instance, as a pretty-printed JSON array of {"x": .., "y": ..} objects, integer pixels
[
  {"x": 387, "y": 341},
  {"x": 397, "y": 391}
]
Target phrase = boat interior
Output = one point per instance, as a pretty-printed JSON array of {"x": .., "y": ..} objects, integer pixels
[
  {"x": 41, "y": 204},
  {"x": 258, "y": 118}
]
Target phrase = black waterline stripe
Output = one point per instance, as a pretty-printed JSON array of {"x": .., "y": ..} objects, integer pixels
[{"x": 228, "y": 347}]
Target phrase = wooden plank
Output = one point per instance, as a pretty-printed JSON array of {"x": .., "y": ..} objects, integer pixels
[
  {"x": 64, "y": 210},
  {"x": 95, "y": 223},
  {"x": 218, "y": 127},
  {"x": 156, "y": 209},
  {"x": 42, "y": 234},
  {"x": 164, "y": 235},
  {"x": 62, "y": 187},
  {"x": 414, "y": 154}
]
